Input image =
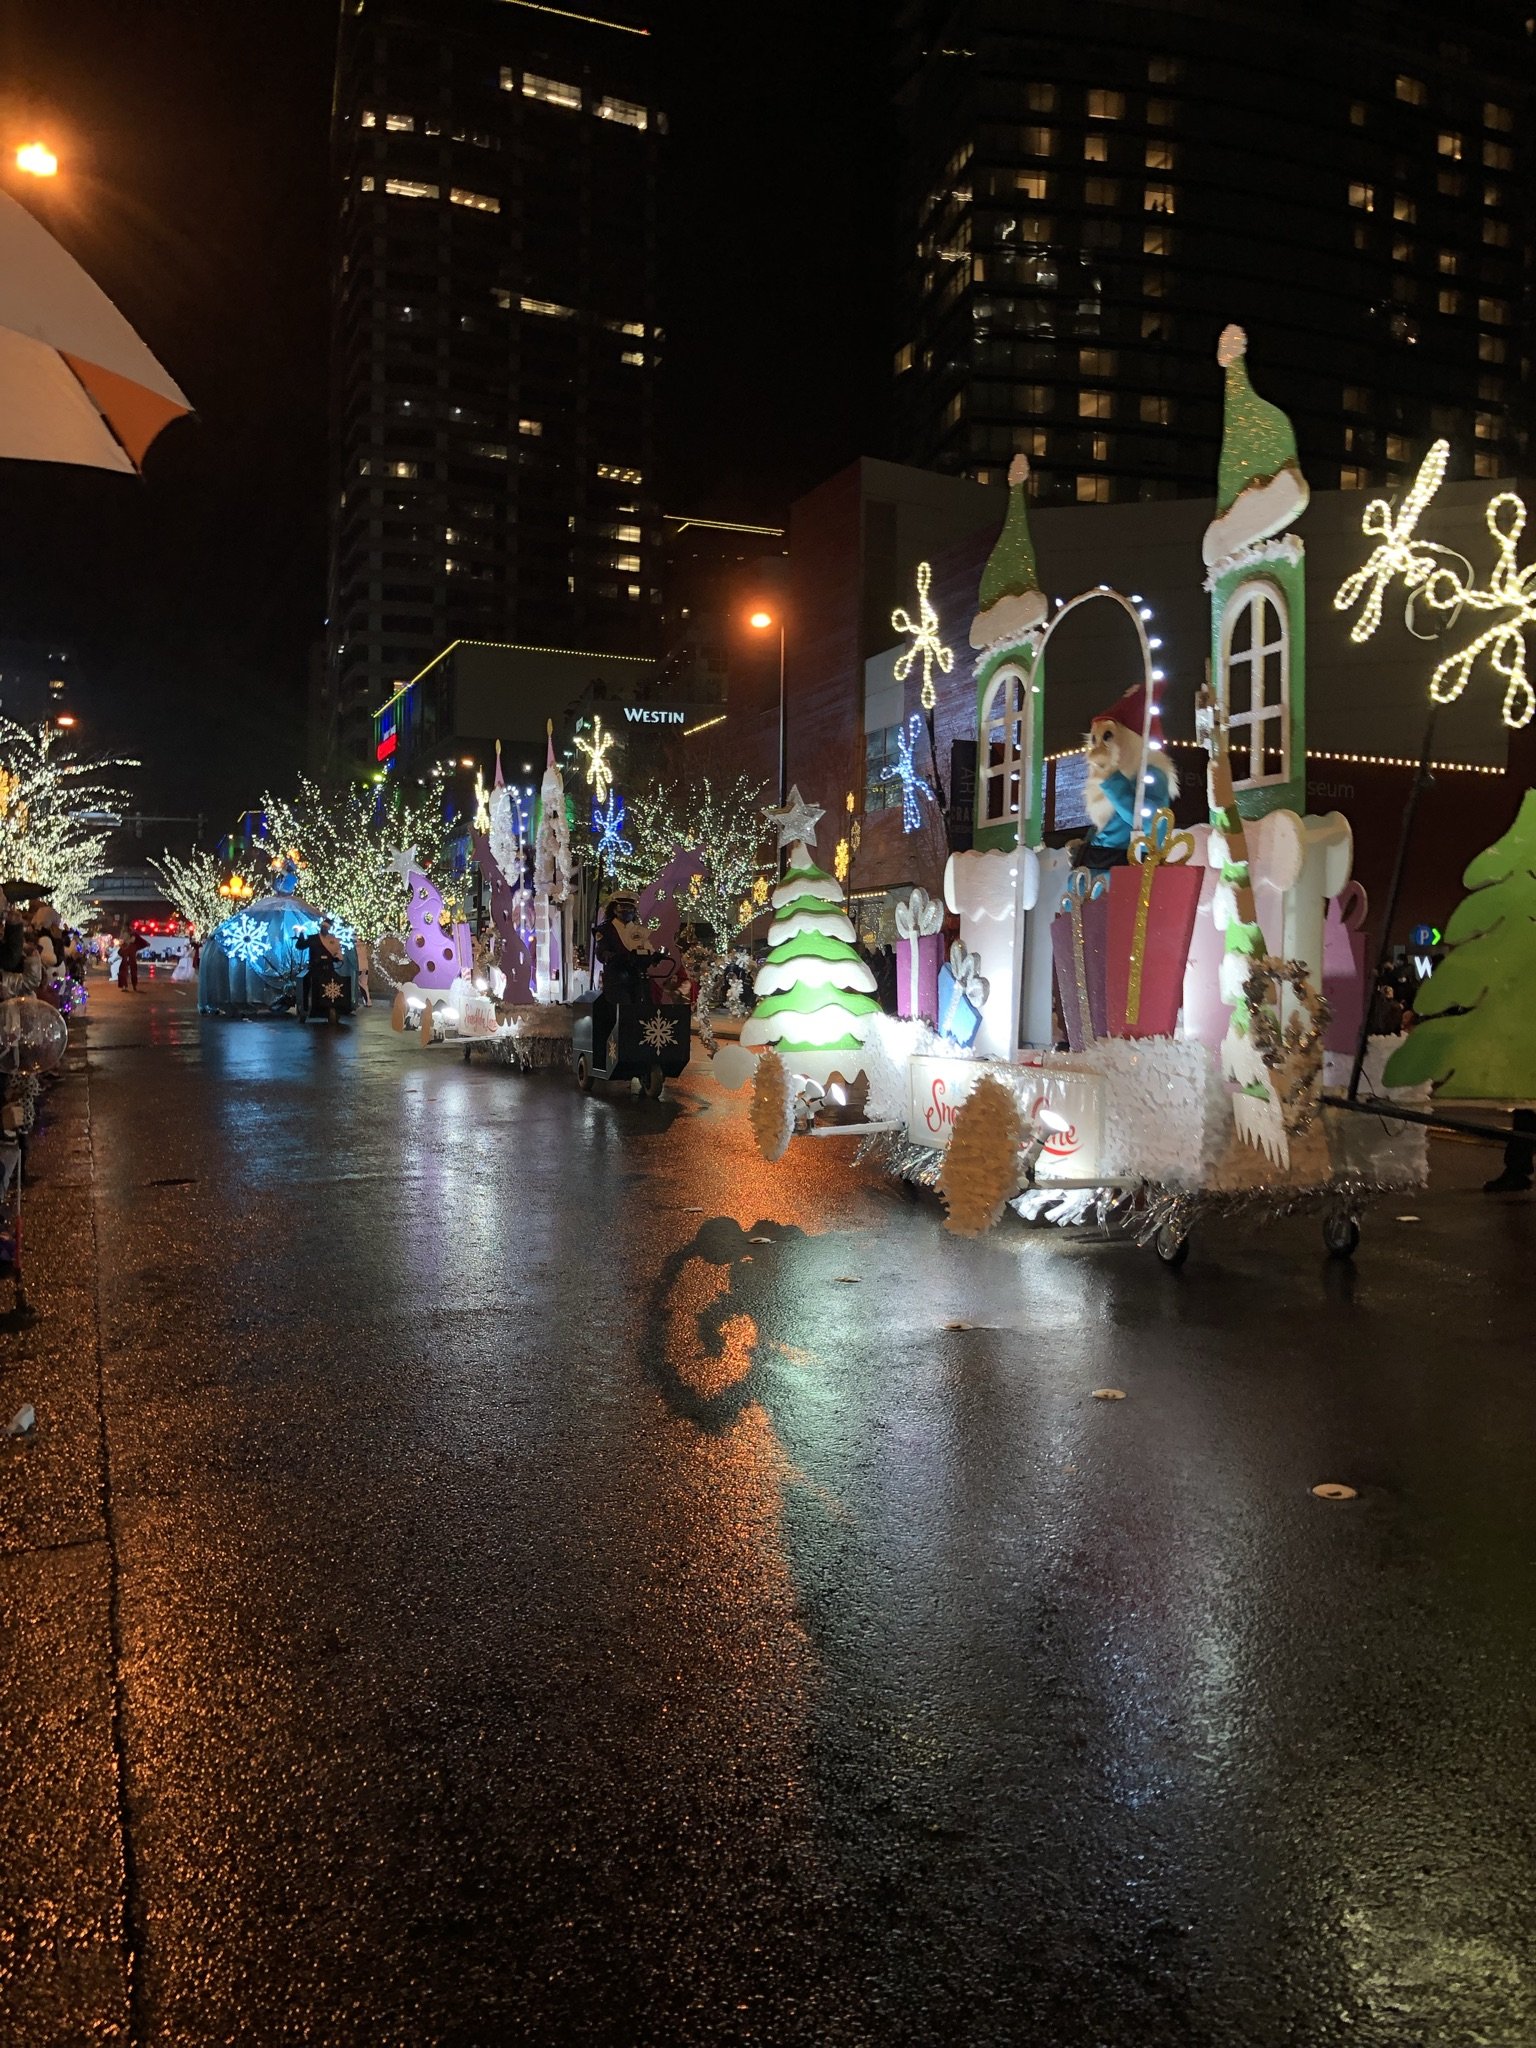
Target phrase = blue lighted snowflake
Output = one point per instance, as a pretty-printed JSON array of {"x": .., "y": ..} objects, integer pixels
[
  {"x": 905, "y": 772},
  {"x": 245, "y": 938},
  {"x": 344, "y": 933},
  {"x": 608, "y": 824}
]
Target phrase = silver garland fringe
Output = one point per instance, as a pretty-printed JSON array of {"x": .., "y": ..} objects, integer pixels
[{"x": 526, "y": 1050}]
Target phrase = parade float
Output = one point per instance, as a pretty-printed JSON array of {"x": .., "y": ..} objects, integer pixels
[
  {"x": 1155, "y": 1026},
  {"x": 256, "y": 961}
]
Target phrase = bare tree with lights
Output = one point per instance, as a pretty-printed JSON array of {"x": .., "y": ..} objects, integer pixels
[
  {"x": 342, "y": 842},
  {"x": 56, "y": 809}
]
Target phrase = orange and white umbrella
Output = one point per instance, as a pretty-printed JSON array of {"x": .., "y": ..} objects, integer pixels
[{"x": 76, "y": 383}]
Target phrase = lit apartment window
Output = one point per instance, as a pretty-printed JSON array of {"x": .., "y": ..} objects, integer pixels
[
  {"x": 619, "y": 473},
  {"x": 400, "y": 124},
  {"x": 1156, "y": 326},
  {"x": 1040, "y": 99},
  {"x": 365, "y": 183},
  {"x": 1037, "y": 442},
  {"x": 1351, "y": 479},
  {"x": 550, "y": 90},
  {"x": 1493, "y": 195},
  {"x": 1485, "y": 462},
  {"x": 403, "y": 470},
  {"x": 1357, "y": 112},
  {"x": 1351, "y": 441},
  {"x": 632, "y": 590},
  {"x": 1449, "y": 262},
  {"x": 479, "y": 202},
  {"x": 625, "y": 112},
  {"x": 1038, "y": 141},
  {"x": 1155, "y": 241},
  {"x": 1363, "y": 196},
  {"x": 1411, "y": 92},
  {"x": 629, "y": 564},
  {"x": 1449, "y": 145},
  {"x": 1496, "y": 233},
  {"x": 1491, "y": 348},
  {"x": 1093, "y": 490},
  {"x": 1035, "y": 227},
  {"x": 1164, "y": 70},
  {"x": 1096, "y": 362},
  {"x": 1159, "y": 199},
  {"x": 368, "y": 118},
  {"x": 1493, "y": 312},
  {"x": 548, "y": 307},
  {"x": 532, "y": 428},
  {"x": 905, "y": 356},
  {"x": 1399, "y": 448},
  {"x": 1156, "y": 412},
  {"x": 635, "y": 327},
  {"x": 1498, "y": 156},
  {"x": 1402, "y": 249},
  {"x": 627, "y": 533},
  {"x": 1403, "y": 208},
  {"x": 1096, "y": 149},
  {"x": 1486, "y": 426},
  {"x": 1095, "y": 405},
  {"x": 1102, "y": 191},
  {"x": 1159, "y": 113},
  {"x": 1159, "y": 156},
  {"x": 1498, "y": 118},
  {"x": 1449, "y": 301},
  {"x": 634, "y": 357},
  {"x": 1030, "y": 184},
  {"x": 1154, "y": 284},
  {"x": 1101, "y": 447},
  {"x": 409, "y": 188},
  {"x": 1106, "y": 106}
]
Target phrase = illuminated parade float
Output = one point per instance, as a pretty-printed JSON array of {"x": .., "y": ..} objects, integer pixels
[{"x": 1136, "y": 1027}]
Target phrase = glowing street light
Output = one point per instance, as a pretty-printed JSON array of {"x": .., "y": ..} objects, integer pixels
[
  {"x": 761, "y": 620},
  {"x": 37, "y": 159}
]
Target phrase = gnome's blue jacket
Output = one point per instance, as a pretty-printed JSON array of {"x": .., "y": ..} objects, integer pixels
[{"x": 1120, "y": 791}]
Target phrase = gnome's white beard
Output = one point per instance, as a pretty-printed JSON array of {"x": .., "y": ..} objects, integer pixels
[{"x": 1120, "y": 754}]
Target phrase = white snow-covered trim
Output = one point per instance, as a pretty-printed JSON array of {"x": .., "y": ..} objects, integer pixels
[
  {"x": 813, "y": 1027},
  {"x": 777, "y": 978},
  {"x": 825, "y": 925},
  {"x": 1283, "y": 547},
  {"x": 1019, "y": 616},
  {"x": 826, "y": 891}
]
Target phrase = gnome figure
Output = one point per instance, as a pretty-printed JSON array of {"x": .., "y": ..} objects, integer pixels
[{"x": 1125, "y": 785}]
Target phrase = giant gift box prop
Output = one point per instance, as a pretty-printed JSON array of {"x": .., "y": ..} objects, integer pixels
[
  {"x": 1079, "y": 937},
  {"x": 919, "y": 925},
  {"x": 1152, "y": 905},
  {"x": 1345, "y": 968}
]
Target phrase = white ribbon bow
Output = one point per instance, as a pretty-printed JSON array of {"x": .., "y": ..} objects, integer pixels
[{"x": 918, "y": 916}]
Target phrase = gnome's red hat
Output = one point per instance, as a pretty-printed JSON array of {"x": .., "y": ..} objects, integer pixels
[{"x": 1131, "y": 711}]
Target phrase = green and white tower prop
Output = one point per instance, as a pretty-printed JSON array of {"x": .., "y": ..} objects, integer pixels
[
  {"x": 815, "y": 995},
  {"x": 1011, "y": 614}
]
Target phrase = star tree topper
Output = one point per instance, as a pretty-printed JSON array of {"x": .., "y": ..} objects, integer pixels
[
  {"x": 404, "y": 863},
  {"x": 795, "y": 819}
]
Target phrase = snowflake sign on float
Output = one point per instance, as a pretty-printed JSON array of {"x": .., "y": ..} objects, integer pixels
[
  {"x": 815, "y": 995},
  {"x": 440, "y": 947},
  {"x": 1475, "y": 1036}
]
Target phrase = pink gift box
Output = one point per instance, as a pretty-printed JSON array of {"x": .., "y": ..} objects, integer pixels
[
  {"x": 917, "y": 976},
  {"x": 1171, "y": 907},
  {"x": 1345, "y": 968}
]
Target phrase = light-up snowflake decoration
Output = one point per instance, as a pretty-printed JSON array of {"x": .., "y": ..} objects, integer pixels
[
  {"x": 245, "y": 939},
  {"x": 343, "y": 933},
  {"x": 1446, "y": 583},
  {"x": 905, "y": 772},
  {"x": 597, "y": 750},
  {"x": 608, "y": 826},
  {"x": 924, "y": 630},
  {"x": 659, "y": 1033}
]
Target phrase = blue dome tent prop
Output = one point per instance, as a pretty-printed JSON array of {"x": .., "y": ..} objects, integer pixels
[{"x": 253, "y": 959}]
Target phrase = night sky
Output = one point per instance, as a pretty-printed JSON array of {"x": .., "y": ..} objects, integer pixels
[{"x": 193, "y": 146}]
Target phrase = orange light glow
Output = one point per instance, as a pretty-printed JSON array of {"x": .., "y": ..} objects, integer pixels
[
  {"x": 38, "y": 159},
  {"x": 761, "y": 620},
  {"x": 66, "y": 718}
]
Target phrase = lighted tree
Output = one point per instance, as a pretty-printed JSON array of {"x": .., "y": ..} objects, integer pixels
[
  {"x": 723, "y": 826},
  {"x": 194, "y": 888},
  {"x": 1476, "y": 1036},
  {"x": 57, "y": 808},
  {"x": 344, "y": 840}
]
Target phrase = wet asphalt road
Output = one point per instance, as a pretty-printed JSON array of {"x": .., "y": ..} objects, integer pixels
[{"x": 484, "y": 1575}]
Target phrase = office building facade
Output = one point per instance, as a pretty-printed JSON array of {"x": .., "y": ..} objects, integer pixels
[
  {"x": 1093, "y": 188},
  {"x": 494, "y": 341}
]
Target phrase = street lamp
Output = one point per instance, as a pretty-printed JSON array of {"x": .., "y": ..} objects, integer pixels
[
  {"x": 763, "y": 621},
  {"x": 37, "y": 159}
]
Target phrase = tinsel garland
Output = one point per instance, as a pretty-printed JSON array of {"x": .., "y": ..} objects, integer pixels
[{"x": 524, "y": 1050}]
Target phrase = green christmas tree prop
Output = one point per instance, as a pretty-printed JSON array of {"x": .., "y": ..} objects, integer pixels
[
  {"x": 814, "y": 992},
  {"x": 1477, "y": 1031}
]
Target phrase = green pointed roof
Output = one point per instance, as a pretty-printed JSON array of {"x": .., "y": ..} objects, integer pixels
[
  {"x": 1011, "y": 569},
  {"x": 1257, "y": 441}
]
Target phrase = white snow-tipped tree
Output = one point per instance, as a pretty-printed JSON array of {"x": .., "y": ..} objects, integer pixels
[{"x": 57, "y": 809}]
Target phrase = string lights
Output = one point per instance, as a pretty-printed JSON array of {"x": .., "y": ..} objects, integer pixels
[
  {"x": 905, "y": 772},
  {"x": 597, "y": 750},
  {"x": 924, "y": 632}
]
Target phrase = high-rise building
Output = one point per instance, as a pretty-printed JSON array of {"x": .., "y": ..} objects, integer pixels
[
  {"x": 1093, "y": 188},
  {"x": 495, "y": 340}
]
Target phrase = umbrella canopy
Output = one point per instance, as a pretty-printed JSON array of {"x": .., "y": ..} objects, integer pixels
[{"x": 76, "y": 383}]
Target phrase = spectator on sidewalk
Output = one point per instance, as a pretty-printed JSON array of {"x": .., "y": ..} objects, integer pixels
[{"x": 128, "y": 953}]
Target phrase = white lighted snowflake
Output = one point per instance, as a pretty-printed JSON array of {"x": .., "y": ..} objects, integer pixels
[
  {"x": 659, "y": 1033},
  {"x": 245, "y": 938}
]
